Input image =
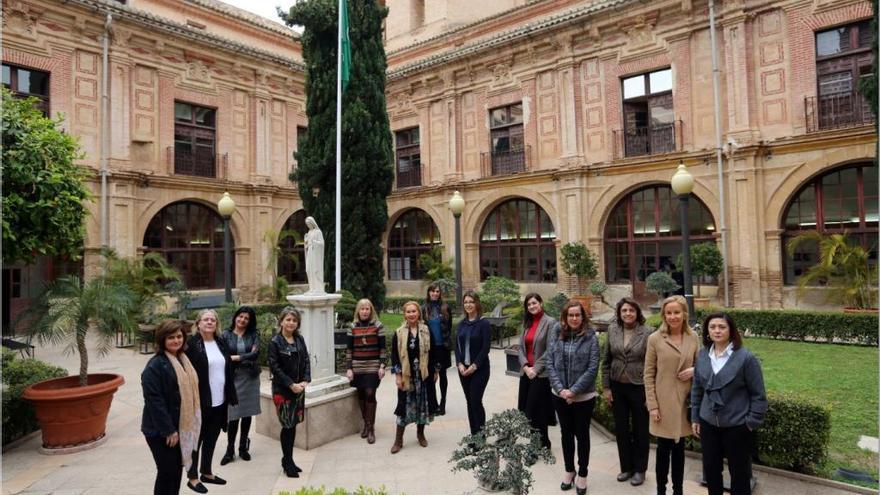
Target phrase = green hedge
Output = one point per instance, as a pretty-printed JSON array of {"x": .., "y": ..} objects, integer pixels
[
  {"x": 786, "y": 324},
  {"x": 18, "y": 374},
  {"x": 395, "y": 304}
]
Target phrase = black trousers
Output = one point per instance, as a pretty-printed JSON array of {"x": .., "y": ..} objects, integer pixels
[
  {"x": 474, "y": 387},
  {"x": 232, "y": 431},
  {"x": 535, "y": 401},
  {"x": 630, "y": 426},
  {"x": 666, "y": 449},
  {"x": 213, "y": 420},
  {"x": 734, "y": 443},
  {"x": 169, "y": 466},
  {"x": 574, "y": 422}
]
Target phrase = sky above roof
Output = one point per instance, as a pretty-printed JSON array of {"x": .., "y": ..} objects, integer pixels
[{"x": 264, "y": 8}]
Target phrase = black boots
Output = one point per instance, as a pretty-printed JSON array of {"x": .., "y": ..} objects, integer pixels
[
  {"x": 420, "y": 434},
  {"x": 229, "y": 456},
  {"x": 363, "y": 405},
  {"x": 370, "y": 422},
  {"x": 243, "y": 448}
]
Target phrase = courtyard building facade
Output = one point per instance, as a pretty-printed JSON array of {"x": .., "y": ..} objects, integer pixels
[{"x": 557, "y": 120}]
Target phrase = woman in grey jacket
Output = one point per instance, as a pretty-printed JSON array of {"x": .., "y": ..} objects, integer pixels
[
  {"x": 572, "y": 365},
  {"x": 728, "y": 402},
  {"x": 623, "y": 383},
  {"x": 539, "y": 331}
]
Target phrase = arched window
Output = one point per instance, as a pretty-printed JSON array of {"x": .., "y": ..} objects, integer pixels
[
  {"x": 190, "y": 236},
  {"x": 842, "y": 200},
  {"x": 413, "y": 234},
  {"x": 643, "y": 233},
  {"x": 292, "y": 258},
  {"x": 518, "y": 242}
]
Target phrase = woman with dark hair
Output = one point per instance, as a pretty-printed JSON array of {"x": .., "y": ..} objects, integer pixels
[
  {"x": 437, "y": 316},
  {"x": 669, "y": 361},
  {"x": 539, "y": 333},
  {"x": 474, "y": 335},
  {"x": 365, "y": 358},
  {"x": 291, "y": 373},
  {"x": 623, "y": 383},
  {"x": 573, "y": 364},
  {"x": 412, "y": 363},
  {"x": 728, "y": 402},
  {"x": 243, "y": 343},
  {"x": 210, "y": 358},
  {"x": 172, "y": 415}
]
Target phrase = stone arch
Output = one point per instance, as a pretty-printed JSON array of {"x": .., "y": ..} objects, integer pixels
[{"x": 479, "y": 212}]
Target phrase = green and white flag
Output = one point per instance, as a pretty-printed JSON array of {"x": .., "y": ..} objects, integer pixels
[{"x": 345, "y": 43}]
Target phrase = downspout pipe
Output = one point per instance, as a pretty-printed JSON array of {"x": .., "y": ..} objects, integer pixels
[
  {"x": 105, "y": 131},
  {"x": 716, "y": 90}
]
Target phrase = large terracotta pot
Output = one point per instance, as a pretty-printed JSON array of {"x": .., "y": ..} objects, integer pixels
[
  {"x": 71, "y": 415},
  {"x": 860, "y": 311},
  {"x": 586, "y": 301}
]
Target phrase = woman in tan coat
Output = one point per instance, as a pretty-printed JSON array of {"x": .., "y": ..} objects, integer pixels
[{"x": 669, "y": 368}]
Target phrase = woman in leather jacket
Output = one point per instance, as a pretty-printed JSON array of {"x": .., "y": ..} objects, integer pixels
[{"x": 243, "y": 342}]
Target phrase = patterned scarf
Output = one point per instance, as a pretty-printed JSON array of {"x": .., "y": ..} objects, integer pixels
[{"x": 190, "y": 406}]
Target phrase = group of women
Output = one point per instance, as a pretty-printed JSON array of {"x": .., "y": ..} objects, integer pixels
[{"x": 665, "y": 382}]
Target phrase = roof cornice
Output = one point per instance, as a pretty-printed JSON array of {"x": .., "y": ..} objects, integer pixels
[{"x": 161, "y": 24}]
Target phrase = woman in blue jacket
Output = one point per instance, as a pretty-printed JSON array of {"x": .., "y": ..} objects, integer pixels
[
  {"x": 573, "y": 365},
  {"x": 473, "y": 338},
  {"x": 172, "y": 416},
  {"x": 728, "y": 402}
]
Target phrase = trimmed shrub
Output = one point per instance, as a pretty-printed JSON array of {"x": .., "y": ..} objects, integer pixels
[
  {"x": 795, "y": 433},
  {"x": 18, "y": 374}
]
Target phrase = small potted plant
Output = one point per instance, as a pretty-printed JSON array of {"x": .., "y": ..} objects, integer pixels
[
  {"x": 660, "y": 283},
  {"x": 578, "y": 261},
  {"x": 501, "y": 454},
  {"x": 706, "y": 261}
]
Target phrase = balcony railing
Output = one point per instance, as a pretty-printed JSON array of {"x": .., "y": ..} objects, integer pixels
[
  {"x": 409, "y": 178},
  {"x": 506, "y": 162},
  {"x": 648, "y": 140},
  {"x": 197, "y": 164},
  {"x": 836, "y": 111}
]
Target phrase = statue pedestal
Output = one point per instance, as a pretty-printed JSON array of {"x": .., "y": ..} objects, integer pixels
[{"x": 332, "y": 409}]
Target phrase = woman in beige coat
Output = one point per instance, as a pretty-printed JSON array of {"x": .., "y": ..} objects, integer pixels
[{"x": 669, "y": 368}]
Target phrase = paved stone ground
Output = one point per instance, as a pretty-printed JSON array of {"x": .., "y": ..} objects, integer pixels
[{"x": 123, "y": 464}]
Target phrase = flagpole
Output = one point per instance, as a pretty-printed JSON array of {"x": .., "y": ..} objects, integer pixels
[{"x": 338, "y": 245}]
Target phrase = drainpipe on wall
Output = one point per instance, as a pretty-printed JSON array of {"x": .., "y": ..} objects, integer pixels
[
  {"x": 718, "y": 156},
  {"x": 105, "y": 132}
]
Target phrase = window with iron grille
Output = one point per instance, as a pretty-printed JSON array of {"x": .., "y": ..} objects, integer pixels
[
  {"x": 840, "y": 201},
  {"x": 25, "y": 83},
  {"x": 843, "y": 57},
  {"x": 409, "y": 157},
  {"x": 508, "y": 144},
  {"x": 195, "y": 140},
  {"x": 648, "y": 116},
  {"x": 518, "y": 241}
]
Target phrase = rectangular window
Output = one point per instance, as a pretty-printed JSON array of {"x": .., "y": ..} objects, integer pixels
[
  {"x": 843, "y": 57},
  {"x": 195, "y": 140},
  {"x": 25, "y": 83},
  {"x": 648, "y": 116},
  {"x": 300, "y": 139},
  {"x": 409, "y": 157},
  {"x": 508, "y": 143}
]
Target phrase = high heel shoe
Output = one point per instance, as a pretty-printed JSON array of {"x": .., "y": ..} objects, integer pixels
[
  {"x": 578, "y": 489},
  {"x": 566, "y": 485}
]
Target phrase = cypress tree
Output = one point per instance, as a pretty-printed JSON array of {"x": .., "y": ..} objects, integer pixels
[{"x": 367, "y": 156}]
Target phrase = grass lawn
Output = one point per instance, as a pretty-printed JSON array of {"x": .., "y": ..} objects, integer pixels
[
  {"x": 842, "y": 376},
  {"x": 391, "y": 321}
]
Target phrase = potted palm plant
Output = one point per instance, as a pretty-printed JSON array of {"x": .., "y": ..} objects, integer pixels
[
  {"x": 72, "y": 410},
  {"x": 578, "y": 261},
  {"x": 843, "y": 267}
]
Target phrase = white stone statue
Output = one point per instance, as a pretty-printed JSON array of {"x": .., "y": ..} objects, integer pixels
[{"x": 314, "y": 242}]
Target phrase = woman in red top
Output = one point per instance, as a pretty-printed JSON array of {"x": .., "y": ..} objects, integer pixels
[{"x": 539, "y": 333}]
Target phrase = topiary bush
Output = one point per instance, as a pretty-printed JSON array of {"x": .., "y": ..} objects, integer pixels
[
  {"x": 795, "y": 433},
  {"x": 18, "y": 374},
  {"x": 496, "y": 290}
]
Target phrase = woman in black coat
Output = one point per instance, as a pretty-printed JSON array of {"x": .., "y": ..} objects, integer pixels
[
  {"x": 291, "y": 374},
  {"x": 474, "y": 335},
  {"x": 243, "y": 342},
  {"x": 438, "y": 317},
  {"x": 210, "y": 358},
  {"x": 171, "y": 394}
]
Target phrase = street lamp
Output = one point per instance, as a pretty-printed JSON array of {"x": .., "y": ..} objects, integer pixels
[
  {"x": 226, "y": 207},
  {"x": 456, "y": 205},
  {"x": 683, "y": 185}
]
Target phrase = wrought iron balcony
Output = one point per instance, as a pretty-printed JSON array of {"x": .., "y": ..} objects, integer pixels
[
  {"x": 506, "y": 162},
  {"x": 836, "y": 111},
  {"x": 412, "y": 177},
  {"x": 198, "y": 164},
  {"x": 647, "y": 140}
]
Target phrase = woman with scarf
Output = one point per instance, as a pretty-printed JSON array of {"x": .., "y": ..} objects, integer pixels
[
  {"x": 172, "y": 417},
  {"x": 365, "y": 356},
  {"x": 539, "y": 334},
  {"x": 437, "y": 316},
  {"x": 291, "y": 373},
  {"x": 412, "y": 363},
  {"x": 210, "y": 358},
  {"x": 243, "y": 343}
]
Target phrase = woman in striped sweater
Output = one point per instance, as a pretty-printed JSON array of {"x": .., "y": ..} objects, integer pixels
[{"x": 366, "y": 362}]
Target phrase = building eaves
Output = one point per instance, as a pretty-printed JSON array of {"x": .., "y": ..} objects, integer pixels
[
  {"x": 161, "y": 24},
  {"x": 243, "y": 15},
  {"x": 505, "y": 37}
]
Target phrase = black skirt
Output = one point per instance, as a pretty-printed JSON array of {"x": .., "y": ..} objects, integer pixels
[
  {"x": 366, "y": 380},
  {"x": 442, "y": 356}
]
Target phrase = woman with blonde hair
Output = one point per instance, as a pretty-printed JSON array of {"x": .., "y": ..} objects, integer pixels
[
  {"x": 669, "y": 369},
  {"x": 414, "y": 368},
  {"x": 365, "y": 358}
]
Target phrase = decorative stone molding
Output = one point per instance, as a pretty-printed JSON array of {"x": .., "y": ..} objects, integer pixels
[
  {"x": 197, "y": 71},
  {"x": 21, "y": 19},
  {"x": 121, "y": 37}
]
